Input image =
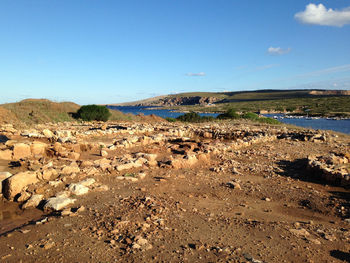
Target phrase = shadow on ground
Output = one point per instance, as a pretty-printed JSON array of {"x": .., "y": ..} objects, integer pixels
[
  {"x": 3, "y": 138},
  {"x": 297, "y": 169},
  {"x": 344, "y": 256}
]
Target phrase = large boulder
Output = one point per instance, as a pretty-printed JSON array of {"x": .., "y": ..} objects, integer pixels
[
  {"x": 6, "y": 155},
  {"x": 38, "y": 148},
  {"x": 21, "y": 150},
  {"x": 16, "y": 183}
]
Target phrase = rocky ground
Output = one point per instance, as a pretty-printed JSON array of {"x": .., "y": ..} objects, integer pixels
[{"x": 161, "y": 192}]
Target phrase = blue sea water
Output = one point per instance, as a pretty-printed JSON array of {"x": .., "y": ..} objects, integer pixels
[
  {"x": 322, "y": 123},
  {"x": 154, "y": 110}
]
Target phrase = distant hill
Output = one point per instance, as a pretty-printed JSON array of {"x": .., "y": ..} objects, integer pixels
[
  {"x": 35, "y": 111},
  {"x": 205, "y": 98},
  {"x": 32, "y": 111}
]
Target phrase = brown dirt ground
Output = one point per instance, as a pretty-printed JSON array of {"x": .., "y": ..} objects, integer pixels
[{"x": 190, "y": 215}]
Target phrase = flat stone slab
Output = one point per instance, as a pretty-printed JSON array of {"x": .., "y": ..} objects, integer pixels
[
  {"x": 34, "y": 201},
  {"x": 87, "y": 182},
  {"x": 58, "y": 203},
  {"x": 78, "y": 189}
]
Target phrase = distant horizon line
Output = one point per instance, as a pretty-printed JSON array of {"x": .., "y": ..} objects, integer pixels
[{"x": 222, "y": 92}]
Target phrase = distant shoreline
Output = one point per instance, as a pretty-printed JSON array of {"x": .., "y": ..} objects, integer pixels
[{"x": 285, "y": 115}]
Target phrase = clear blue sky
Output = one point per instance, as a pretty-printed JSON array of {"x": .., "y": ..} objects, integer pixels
[{"x": 110, "y": 51}]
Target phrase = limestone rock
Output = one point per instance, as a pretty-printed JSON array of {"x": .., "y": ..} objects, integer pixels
[
  {"x": 58, "y": 203},
  {"x": 300, "y": 232},
  {"x": 150, "y": 157},
  {"x": 234, "y": 185},
  {"x": 15, "y": 184},
  {"x": 38, "y": 148},
  {"x": 24, "y": 196},
  {"x": 141, "y": 243},
  {"x": 102, "y": 162},
  {"x": 55, "y": 183},
  {"x": 103, "y": 153},
  {"x": 86, "y": 164},
  {"x": 128, "y": 166},
  {"x": 88, "y": 182},
  {"x": 91, "y": 171},
  {"x": 21, "y": 150},
  {"x": 6, "y": 155},
  {"x": 49, "y": 174},
  {"x": 78, "y": 189},
  {"x": 70, "y": 169},
  {"x": 33, "y": 201},
  {"x": 48, "y": 134},
  {"x": 73, "y": 155}
]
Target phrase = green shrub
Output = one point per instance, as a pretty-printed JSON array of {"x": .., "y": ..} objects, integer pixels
[
  {"x": 291, "y": 109},
  {"x": 194, "y": 117},
  {"x": 279, "y": 108},
  {"x": 229, "y": 114},
  {"x": 250, "y": 116},
  {"x": 190, "y": 117},
  {"x": 93, "y": 112},
  {"x": 169, "y": 119}
]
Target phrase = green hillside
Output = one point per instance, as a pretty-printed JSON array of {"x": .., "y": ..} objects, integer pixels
[{"x": 316, "y": 102}]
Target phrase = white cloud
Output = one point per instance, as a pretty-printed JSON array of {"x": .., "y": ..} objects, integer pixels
[
  {"x": 320, "y": 15},
  {"x": 278, "y": 50},
  {"x": 200, "y": 74}
]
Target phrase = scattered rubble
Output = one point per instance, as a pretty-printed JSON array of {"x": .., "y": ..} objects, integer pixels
[
  {"x": 333, "y": 168},
  {"x": 184, "y": 192}
]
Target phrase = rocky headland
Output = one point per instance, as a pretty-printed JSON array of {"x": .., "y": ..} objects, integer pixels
[{"x": 173, "y": 192}]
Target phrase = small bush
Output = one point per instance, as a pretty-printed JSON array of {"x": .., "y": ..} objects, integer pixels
[
  {"x": 291, "y": 109},
  {"x": 279, "y": 108},
  {"x": 229, "y": 114},
  {"x": 190, "y": 117},
  {"x": 194, "y": 117},
  {"x": 169, "y": 119},
  {"x": 250, "y": 116},
  {"x": 93, "y": 112}
]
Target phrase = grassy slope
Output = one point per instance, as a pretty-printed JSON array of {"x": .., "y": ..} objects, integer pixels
[
  {"x": 253, "y": 95},
  {"x": 31, "y": 111},
  {"x": 119, "y": 116},
  {"x": 34, "y": 111}
]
